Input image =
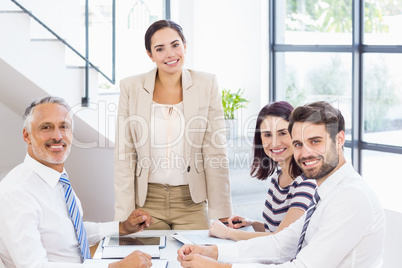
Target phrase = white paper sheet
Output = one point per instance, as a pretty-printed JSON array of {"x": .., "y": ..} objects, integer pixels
[
  {"x": 156, "y": 263},
  {"x": 199, "y": 237}
]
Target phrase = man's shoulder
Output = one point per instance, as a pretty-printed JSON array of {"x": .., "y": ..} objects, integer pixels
[
  {"x": 353, "y": 189},
  {"x": 345, "y": 176},
  {"x": 353, "y": 180},
  {"x": 346, "y": 185},
  {"x": 15, "y": 179}
]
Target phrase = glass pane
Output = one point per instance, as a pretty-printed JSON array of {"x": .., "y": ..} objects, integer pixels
[
  {"x": 383, "y": 20},
  {"x": 100, "y": 34},
  {"x": 381, "y": 170},
  {"x": 382, "y": 90},
  {"x": 307, "y": 77},
  {"x": 133, "y": 18},
  {"x": 347, "y": 152},
  {"x": 313, "y": 22}
]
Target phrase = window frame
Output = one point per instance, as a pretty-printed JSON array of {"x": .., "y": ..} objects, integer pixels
[{"x": 357, "y": 49}]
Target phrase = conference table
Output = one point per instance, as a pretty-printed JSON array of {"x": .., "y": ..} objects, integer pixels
[{"x": 169, "y": 252}]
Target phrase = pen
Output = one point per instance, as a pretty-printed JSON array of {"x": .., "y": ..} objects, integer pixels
[{"x": 234, "y": 222}]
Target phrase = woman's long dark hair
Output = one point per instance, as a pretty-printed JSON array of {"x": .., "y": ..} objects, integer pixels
[{"x": 263, "y": 166}]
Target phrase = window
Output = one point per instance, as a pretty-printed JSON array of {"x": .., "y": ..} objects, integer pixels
[
  {"x": 382, "y": 96},
  {"x": 348, "y": 53},
  {"x": 132, "y": 20}
]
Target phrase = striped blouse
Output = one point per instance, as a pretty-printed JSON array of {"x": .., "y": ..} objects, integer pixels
[{"x": 298, "y": 194}]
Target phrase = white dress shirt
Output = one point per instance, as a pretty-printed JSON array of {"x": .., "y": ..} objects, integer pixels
[
  {"x": 35, "y": 226},
  {"x": 346, "y": 230}
]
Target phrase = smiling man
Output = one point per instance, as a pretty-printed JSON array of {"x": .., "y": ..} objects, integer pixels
[
  {"x": 49, "y": 134},
  {"x": 40, "y": 216},
  {"x": 345, "y": 224}
]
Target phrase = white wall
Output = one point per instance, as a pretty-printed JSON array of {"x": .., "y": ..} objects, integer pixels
[
  {"x": 90, "y": 169},
  {"x": 12, "y": 146},
  {"x": 393, "y": 239},
  {"x": 91, "y": 174},
  {"x": 229, "y": 38},
  {"x": 31, "y": 70}
]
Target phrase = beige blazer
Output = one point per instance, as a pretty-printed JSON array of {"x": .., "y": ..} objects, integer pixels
[{"x": 205, "y": 152}]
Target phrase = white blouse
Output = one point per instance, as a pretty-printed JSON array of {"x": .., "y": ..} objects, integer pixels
[{"x": 168, "y": 163}]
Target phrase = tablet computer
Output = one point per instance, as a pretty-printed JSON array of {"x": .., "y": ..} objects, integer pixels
[{"x": 113, "y": 241}]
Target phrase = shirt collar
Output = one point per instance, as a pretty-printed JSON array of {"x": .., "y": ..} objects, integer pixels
[
  {"x": 49, "y": 175},
  {"x": 332, "y": 181}
]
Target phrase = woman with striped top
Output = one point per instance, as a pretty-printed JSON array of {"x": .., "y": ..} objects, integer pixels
[{"x": 289, "y": 193}]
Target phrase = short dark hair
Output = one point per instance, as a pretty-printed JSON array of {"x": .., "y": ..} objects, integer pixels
[
  {"x": 158, "y": 25},
  {"x": 319, "y": 113},
  {"x": 263, "y": 166}
]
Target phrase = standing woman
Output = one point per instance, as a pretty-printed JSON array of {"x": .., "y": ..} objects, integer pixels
[
  {"x": 170, "y": 156},
  {"x": 289, "y": 193}
]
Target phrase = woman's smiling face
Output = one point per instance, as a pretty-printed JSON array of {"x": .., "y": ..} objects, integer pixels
[
  {"x": 167, "y": 50},
  {"x": 276, "y": 139}
]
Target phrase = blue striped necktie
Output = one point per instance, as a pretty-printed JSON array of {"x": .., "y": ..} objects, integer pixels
[
  {"x": 310, "y": 211},
  {"x": 75, "y": 216}
]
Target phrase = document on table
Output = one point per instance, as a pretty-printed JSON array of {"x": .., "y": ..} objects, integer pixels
[
  {"x": 156, "y": 263},
  {"x": 201, "y": 237}
]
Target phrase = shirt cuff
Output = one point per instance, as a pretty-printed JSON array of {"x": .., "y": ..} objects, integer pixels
[
  {"x": 109, "y": 229},
  {"x": 227, "y": 252}
]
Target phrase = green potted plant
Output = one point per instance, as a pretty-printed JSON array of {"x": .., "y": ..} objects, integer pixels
[{"x": 231, "y": 102}]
